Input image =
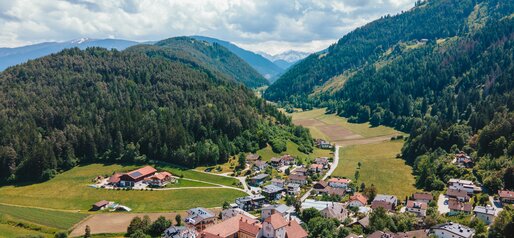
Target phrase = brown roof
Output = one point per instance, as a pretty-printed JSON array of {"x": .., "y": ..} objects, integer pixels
[
  {"x": 316, "y": 166},
  {"x": 506, "y": 194},
  {"x": 455, "y": 205},
  {"x": 160, "y": 176},
  {"x": 457, "y": 193},
  {"x": 414, "y": 204},
  {"x": 320, "y": 185},
  {"x": 231, "y": 226},
  {"x": 294, "y": 230},
  {"x": 101, "y": 203},
  {"x": 359, "y": 197},
  {"x": 251, "y": 228},
  {"x": 297, "y": 177},
  {"x": 276, "y": 220},
  {"x": 423, "y": 196},
  {"x": 412, "y": 234},
  {"x": 287, "y": 157},
  {"x": 335, "y": 191},
  {"x": 339, "y": 180},
  {"x": 115, "y": 178},
  {"x": 142, "y": 172}
]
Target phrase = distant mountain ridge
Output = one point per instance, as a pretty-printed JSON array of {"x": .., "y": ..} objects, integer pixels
[
  {"x": 18, "y": 55},
  {"x": 290, "y": 56},
  {"x": 264, "y": 66}
]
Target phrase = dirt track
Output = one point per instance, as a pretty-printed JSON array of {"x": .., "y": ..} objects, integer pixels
[{"x": 114, "y": 222}]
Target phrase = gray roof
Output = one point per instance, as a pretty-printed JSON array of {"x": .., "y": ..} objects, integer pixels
[
  {"x": 485, "y": 210},
  {"x": 260, "y": 176},
  {"x": 294, "y": 185},
  {"x": 456, "y": 228},
  {"x": 198, "y": 214},
  {"x": 386, "y": 198},
  {"x": 271, "y": 189},
  {"x": 281, "y": 208},
  {"x": 249, "y": 198}
]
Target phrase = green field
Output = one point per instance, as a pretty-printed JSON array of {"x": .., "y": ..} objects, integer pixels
[
  {"x": 379, "y": 167},
  {"x": 9, "y": 231},
  {"x": 363, "y": 129},
  {"x": 292, "y": 149},
  {"x": 188, "y": 183},
  {"x": 70, "y": 191},
  {"x": 192, "y": 174},
  {"x": 56, "y": 219}
]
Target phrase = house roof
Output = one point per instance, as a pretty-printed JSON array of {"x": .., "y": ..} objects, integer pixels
[
  {"x": 335, "y": 191},
  {"x": 488, "y": 210},
  {"x": 364, "y": 222},
  {"x": 460, "y": 181},
  {"x": 316, "y": 166},
  {"x": 115, "y": 178},
  {"x": 455, "y": 228},
  {"x": 260, "y": 176},
  {"x": 275, "y": 159},
  {"x": 456, "y": 205},
  {"x": 359, "y": 197},
  {"x": 101, "y": 203},
  {"x": 321, "y": 160},
  {"x": 141, "y": 172},
  {"x": 199, "y": 214},
  {"x": 412, "y": 234},
  {"x": 275, "y": 180},
  {"x": 385, "y": 198},
  {"x": 287, "y": 157},
  {"x": 232, "y": 226},
  {"x": 160, "y": 176},
  {"x": 297, "y": 177},
  {"x": 294, "y": 230},
  {"x": 506, "y": 194},
  {"x": 334, "y": 209},
  {"x": 300, "y": 170},
  {"x": 281, "y": 208},
  {"x": 423, "y": 196},
  {"x": 321, "y": 185},
  {"x": 339, "y": 180},
  {"x": 457, "y": 193},
  {"x": 271, "y": 189},
  {"x": 259, "y": 163},
  {"x": 414, "y": 204},
  {"x": 276, "y": 220}
]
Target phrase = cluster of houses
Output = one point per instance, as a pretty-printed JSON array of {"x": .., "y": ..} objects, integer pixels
[
  {"x": 139, "y": 178},
  {"x": 275, "y": 221}
]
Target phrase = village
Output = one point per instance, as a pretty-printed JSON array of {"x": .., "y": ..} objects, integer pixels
[{"x": 282, "y": 190}]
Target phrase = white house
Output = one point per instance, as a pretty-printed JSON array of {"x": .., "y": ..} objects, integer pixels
[
  {"x": 452, "y": 230},
  {"x": 418, "y": 208},
  {"x": 357, "y": 200},
  {"x": 466, "y": 185},
  {"x": 486, "y": 214}
]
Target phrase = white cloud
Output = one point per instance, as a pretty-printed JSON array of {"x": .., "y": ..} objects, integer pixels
[{"x": 266, "y": 25}]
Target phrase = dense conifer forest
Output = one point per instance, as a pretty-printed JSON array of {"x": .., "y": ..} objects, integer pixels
[
  {"x": 144, "y": 103},
  {"x": 443, "y": 71}
]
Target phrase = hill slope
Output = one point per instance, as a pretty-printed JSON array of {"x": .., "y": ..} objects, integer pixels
[
  {"x": 212, "y": 56},
  {"x": 442, "y": 71},
  {"x": 18, "y": 55},
  {"x": 265, "y": 67},
  {"x": 147, "y": 102}
]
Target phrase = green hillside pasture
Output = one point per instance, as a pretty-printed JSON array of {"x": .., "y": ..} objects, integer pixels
[
  {"x": 70, "y": 191},
  {"x": 379, "y": 167},
  {"x": 56, "y": 219}
]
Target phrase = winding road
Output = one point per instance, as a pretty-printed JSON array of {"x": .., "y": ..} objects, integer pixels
[{"x": 333, "y": 167}]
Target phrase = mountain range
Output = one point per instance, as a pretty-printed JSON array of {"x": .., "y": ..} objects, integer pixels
[{"x": 285, "y": 59}]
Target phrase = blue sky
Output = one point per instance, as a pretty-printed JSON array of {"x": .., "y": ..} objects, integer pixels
[{"x": 270, "y": 26}]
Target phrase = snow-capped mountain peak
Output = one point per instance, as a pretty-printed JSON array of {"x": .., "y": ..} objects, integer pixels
[
  {"x": 290, "y": 56},
  {"x": 80, "y": 40}
]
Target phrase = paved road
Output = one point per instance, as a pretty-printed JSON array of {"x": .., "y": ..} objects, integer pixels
[{"x": 333, "y": 167}]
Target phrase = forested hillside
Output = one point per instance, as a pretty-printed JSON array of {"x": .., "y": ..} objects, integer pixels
[
  {"x": 208, "y": 55},
  {"x": 145, "y": 103},
  {"x": 443, "y": 71}
]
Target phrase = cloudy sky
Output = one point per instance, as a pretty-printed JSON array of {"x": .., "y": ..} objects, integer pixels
[{"x": 271, "y": 26}]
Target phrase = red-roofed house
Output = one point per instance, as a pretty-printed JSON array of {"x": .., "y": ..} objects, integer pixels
[
  {"x": 456, "y": 206},
  {"x": 294, "y": 230},
  {"x": 423, "y": 197},
  {"x": 274, "y": 226},
  {"x": 316, "y": 168},
  {"x": 159, "y": 179},
  {"x": 358, "y": 200},
  {"x": 339, "y": 183},
  {"x": 132, "y": 177},
  {"x": 506, "y": 196},
  {"x": 114, "y": 179},
  {"x": 237, "y": 226}
]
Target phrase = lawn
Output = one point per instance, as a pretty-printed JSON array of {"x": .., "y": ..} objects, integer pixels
[
  {"x": 379, "y": 166},
  {"x": 188, "y": 183},
  {"x": 56, "y": 219},
  {"x": 292, "y": 149},
  {"x": 9, "y": 231},
  {"x": 70, "y": 191},
  {"x": 315, "y": 119},
  {"x": 192, "y": 174}
]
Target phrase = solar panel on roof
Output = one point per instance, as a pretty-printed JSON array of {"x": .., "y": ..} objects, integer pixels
[{"x": 136, "y": 174}]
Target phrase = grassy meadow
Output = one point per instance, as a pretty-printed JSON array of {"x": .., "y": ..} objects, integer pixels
[
  {"x": 379, "y": 166},
  {"x": 9, "y": 231},
  {"x": 54, "y": 219},
  {"x": 292, "y": 149},
  {"x": 70, "y": 191}
]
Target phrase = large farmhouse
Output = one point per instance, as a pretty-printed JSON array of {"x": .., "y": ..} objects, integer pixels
[{"x": 146, "y": 175}]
